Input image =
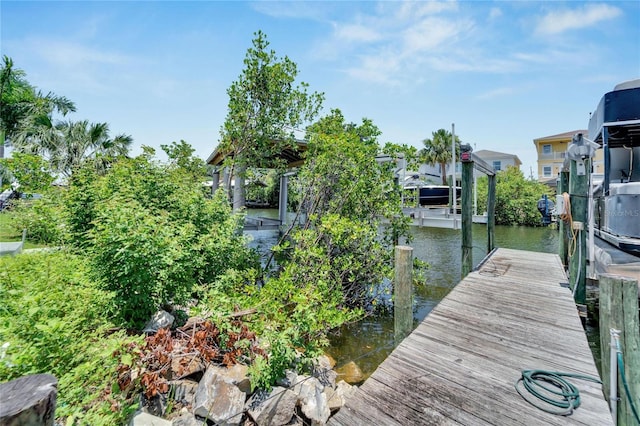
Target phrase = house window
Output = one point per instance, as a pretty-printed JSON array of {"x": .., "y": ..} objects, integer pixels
[
  {"x": 546, "y": 171},
  {"x": 546, "y": 149},
  {"x": 497, "y": 166}
]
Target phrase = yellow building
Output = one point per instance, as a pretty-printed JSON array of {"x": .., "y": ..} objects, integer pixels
[{"x": 552, "y": 151}]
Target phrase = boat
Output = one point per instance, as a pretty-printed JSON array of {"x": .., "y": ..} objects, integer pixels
[
  {"x": 435, "y": 195},
  {"x": 615, "y": 127},
  {"x": 428, "y": 193}
]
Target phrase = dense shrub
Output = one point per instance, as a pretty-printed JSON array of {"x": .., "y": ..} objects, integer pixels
[
  {"x": 43, "y": 218},
  {"x": 516, "y": 198},
  {"x": 54, "y": 320},
  {"x": 151, "y": 234}
]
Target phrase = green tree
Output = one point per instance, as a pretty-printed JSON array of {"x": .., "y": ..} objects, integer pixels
[
  {"x": 23, "y": 107},
  {"x": 68, "y": 144},
  {"x": 265, "y": 107},
  {"x": 516, "y": 198},
  {"x": 151, "y": 234},
  {"x": 30, "y": 171},
  {"x": 437, "y": 150},
  {"x": 345, "y": 195},
  {"x": 181, "y": 155}
]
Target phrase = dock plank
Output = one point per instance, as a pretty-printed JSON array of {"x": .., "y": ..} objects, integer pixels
[{"x": 459, "y": 365}]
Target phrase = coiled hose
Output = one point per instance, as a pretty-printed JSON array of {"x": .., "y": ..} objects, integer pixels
[{"x": 560, "y": 396}]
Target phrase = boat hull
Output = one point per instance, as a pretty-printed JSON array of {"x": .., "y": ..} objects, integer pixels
[{"x": 435, "y": 195}]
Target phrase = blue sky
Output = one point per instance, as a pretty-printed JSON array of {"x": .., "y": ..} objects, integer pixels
[{"x": 505, "y": 72}]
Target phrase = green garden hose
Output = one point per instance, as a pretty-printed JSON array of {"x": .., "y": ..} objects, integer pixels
[
  {"x": 626, "y": 387},
  {"x": 552, "y": 389}
]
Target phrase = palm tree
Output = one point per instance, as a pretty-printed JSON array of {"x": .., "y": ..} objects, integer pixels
[
  {"x": 437, "y": 150},
  {"x": 67, "y": 144},
  {"x": 25, "y": 109},
  {"x": 82, "y": 142}
]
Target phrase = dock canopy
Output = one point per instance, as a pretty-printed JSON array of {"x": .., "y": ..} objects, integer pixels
[{"x": 292, "y": 157}]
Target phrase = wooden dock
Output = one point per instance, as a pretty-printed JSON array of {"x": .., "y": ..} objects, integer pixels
[
  {"x": 460, "y": 364},
  {"x": 260, "y": 223},
  {"x": 438, "y": 217}
]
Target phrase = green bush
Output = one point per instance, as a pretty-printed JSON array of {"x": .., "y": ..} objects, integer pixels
[
  {"x": 53, "y": 320},
  {"x": 43, "y": 218},
  {"x": 516, "y": 198},
  {"x": 152, "y": 235}
]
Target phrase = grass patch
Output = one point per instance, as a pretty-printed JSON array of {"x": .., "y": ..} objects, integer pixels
[{"x": 9, "y": 234}]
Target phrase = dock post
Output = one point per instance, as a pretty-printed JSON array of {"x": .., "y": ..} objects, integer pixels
[
  {"x": 563, "y": 241},
  {"x": 619, "y": 310},
  {"x": 578, "y": 192},
  {"x": 283, "y": 199},
  {"x": 491, "y": 213},
  {"x": 403, "y": 293},
  {"x": 467, "y": 212},
  {"x": 215, "y": 181},
  {"x": 239, "y": 191}
]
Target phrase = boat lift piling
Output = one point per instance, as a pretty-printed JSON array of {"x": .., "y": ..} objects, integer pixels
[{"x": 470, "y": 162}]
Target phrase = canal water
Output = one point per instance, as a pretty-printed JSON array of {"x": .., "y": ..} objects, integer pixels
[{"x": 369, "y": 342}]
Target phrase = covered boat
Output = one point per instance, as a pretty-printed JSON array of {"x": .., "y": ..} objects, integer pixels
[
  {"x": 427, "y": 193},
  {"x": 615, "y": 126}
]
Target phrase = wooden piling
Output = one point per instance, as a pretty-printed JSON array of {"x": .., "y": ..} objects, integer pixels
[
  {"x": 578, "y": 192},
  {"x": 619, "y": 310},
  {"x": 563, "y": 241},
  {"x": 491, "y": 213},
  {"x": 467, "y": 217},
  {"x": 403, "y": 293}
]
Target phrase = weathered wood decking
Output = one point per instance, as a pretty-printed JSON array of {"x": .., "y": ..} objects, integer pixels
[{"x": 460, "y": 364}]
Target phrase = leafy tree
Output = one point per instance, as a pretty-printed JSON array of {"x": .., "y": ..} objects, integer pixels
[
  {"x": 437, "y": 150},
  {"x": 345, "y": 194},
  {"x": 516, "y": 198},
  {"x": 30, "y": 171},
  {"x": 22, "y": 106},
  {"x": 265, "y": 106},
  {"x": 411, "y": 154},
  {"x": 151, "y": 234},
  {"x": 55, "y": 320},
  {"x": 181, "y": 155},
  {"x": 67, "y": 145}
]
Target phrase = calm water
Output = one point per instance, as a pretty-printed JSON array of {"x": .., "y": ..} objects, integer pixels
[{"x": 369, "y": 341}]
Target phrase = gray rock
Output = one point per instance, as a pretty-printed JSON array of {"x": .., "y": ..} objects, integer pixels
[
  {"x": 275, "y": 408},
  {"x": 183, "y": 391},
  {"x": 313, "y": 401},
  {"x": 29, "y": 400},
  {"x": 218, "y": 400},
  {"x": 325, "y": 375},
  {"x": 146, "y": 419},
  {"x": 290, "y": 379},
  {"x": 186, "y": 419},
  {"x": 237, "y": 374},
  {"x": 161, "y": 319},
  {"x": 336, "y": 397},
  {"x": 156, "y": 406}
]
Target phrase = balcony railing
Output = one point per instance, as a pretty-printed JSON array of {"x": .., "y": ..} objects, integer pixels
[{"x": 553, "y": 156}]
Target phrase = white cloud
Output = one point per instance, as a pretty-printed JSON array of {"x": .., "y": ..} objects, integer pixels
[
  {"x": 416, "y": 10},
  {"x": 496, "y": 93},
  {"x": 69, "y": 54},
  {"x": 495, "y": 13},
  {"x": 292, "y": 9},
  {"x": 71, "y": 64},
  {"x": 397, "y": 42},
  {"x": 357, "y": 33},
  {"x": 564, "y": 20},
  {"x": 432, "y": 33}
]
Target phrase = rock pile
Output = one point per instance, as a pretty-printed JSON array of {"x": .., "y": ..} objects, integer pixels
[
  {"x": 223, "y": 396},
  {"x": 189, "y": 378}
]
